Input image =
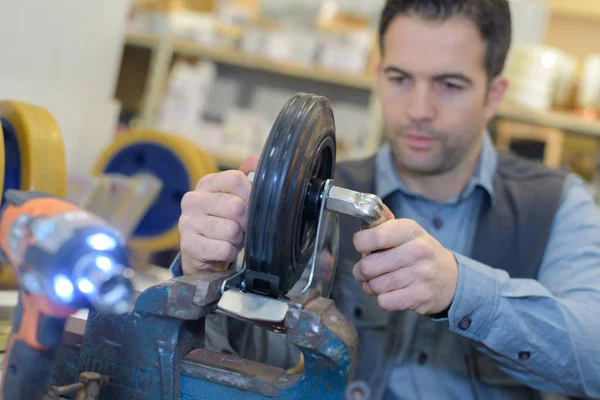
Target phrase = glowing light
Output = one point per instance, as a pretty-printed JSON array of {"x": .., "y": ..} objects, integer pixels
[
  {"x": 548, "y": 60},
  {"x": 85, "y": 286},
  {"x": 102, "y": 242},
  {"x": 63, "y": 287},
  {"x": 128, "y": 273},
  {"x": 104, "y": 263}
]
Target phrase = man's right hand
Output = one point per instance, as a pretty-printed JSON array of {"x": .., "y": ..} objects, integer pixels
[{"x": 214, "y": 218}]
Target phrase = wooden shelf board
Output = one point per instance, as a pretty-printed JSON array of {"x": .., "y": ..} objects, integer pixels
[
  {"x": 238, "y": 58},
  {"x": 555, "y": 119},
  {"x": 140, "y": 39},
  {"x": 584, "y": 9}
]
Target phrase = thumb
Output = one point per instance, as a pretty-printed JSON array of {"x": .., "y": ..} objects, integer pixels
[{"x": 249, "y": 164}]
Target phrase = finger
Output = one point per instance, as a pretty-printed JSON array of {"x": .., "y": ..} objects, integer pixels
[
  {"x": 412, "y": 297},
  {"x": 233, "y": 181},
  {"x": 387, "y": 261},
  {"x": 388, "y": 214},
  {"x": 189, "y": 268},
  {"x": 250, "y": 164},
  {"x": 388, "y": 235},
  {"x": 222, "y": 205},
  {"x": 202, "y": 250},
  {"x": 214, "y": 228},
  {"x": 393, "y": 281}
]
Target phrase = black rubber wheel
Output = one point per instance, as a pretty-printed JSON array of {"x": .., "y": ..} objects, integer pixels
[{"x": 297, "y": 158}]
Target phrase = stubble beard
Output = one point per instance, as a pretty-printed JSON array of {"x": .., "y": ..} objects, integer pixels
[{"x": 448, "y": 153}]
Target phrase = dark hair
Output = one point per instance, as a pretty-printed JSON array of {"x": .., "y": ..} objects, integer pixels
[{"x": 492, "y": 18}]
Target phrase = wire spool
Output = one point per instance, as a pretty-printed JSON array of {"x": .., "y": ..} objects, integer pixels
[
  {"x": 32, "y": 157},
  {"x": 177, "y": 162}
]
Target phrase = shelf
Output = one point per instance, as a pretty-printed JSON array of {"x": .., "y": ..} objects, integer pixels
[
  {"x": 236, "y": 57},
  {"x": 554, "y": 119},
  {"x": 226, "y": 161},
  {"x": 140, "y": 39},
  {"x": 584, "y": 9}
]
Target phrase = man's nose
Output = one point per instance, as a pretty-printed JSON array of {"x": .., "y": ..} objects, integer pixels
[{"x": 421, "y": 105}]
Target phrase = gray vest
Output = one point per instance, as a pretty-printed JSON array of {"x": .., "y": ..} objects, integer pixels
[{"x": 511, "y": 235}]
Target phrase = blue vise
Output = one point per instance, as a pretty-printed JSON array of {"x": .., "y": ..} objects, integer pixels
[{"x": 156, "y": 351}]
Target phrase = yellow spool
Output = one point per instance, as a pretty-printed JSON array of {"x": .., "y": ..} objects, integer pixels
[
  {"x": 42, "y": 157},
  {"x": 1, "y": 160},
  {"x": 197, "y": 163}
]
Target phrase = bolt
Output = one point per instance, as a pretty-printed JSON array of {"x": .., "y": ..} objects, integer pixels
[{"x": 358, "y": 390}]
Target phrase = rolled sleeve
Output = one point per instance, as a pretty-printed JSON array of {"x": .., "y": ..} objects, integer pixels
[{"x": 476, "y": 300}]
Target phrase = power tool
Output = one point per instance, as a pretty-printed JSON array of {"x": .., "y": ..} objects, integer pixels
[{"x": 65, "y": 259}]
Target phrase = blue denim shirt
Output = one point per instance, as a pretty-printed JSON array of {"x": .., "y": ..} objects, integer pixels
[
  {"x": 544, "y": 334},
  {"x": 541, "y": 333}
]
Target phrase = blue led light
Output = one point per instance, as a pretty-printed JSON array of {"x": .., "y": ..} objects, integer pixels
[
  {"x": 102, "y": 242},
  {"x": 63, "y": 287},
  {"x": 85, "y": 286},
  {"x": 104, "y": 263}
]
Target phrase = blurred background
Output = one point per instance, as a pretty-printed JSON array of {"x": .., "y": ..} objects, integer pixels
[{"x": 215, "y": 73}]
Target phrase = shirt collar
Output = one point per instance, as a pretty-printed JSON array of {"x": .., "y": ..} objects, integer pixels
[{"x": 387, "y": 182}]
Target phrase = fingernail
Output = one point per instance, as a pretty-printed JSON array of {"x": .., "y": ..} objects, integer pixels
[
  {"x": 367, "y": 289},
  {"x": 358, "y": 275}
]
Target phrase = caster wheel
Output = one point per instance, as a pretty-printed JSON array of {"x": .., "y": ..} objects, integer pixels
[
  {"x": 296, "y": 160},
  {"x": 177, "y": 162},
  {"x": 34, "y": 152},
  {"x": 32, "y": 157}
]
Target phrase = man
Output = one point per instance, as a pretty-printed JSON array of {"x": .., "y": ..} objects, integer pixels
[{"x": 487, "y": 283}]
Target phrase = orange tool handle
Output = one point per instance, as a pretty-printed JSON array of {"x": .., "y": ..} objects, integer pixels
[{"x": 31, "y": 348}]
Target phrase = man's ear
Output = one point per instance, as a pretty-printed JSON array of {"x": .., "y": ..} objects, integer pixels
[{"x": 495, "y": 96}]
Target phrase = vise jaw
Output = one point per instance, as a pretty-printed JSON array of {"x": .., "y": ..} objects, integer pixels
[{"x": 155, "y": 352}]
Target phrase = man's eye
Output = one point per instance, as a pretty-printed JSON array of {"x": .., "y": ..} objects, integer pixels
[
  {"x": 451, "y": 87},
  {"x": 398, "y": 79}
]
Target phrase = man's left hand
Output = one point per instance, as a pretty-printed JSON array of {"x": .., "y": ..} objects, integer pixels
[{"x": 406, "y": 268}]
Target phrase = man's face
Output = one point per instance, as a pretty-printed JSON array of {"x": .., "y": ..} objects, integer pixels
[{"x": 433, "y": 89}]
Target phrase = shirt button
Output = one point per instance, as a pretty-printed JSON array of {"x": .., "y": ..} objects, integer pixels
[
  {"x": 422, "y": 358},
  {"x": 437, "y": 222},
  {"x": 524, "y": 355},
  {"x": 465, "y": 323}
]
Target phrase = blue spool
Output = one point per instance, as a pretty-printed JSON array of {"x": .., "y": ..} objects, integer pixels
[
  {"x": 152, "y": 158},
  {"x": 12, "y": 158}
]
